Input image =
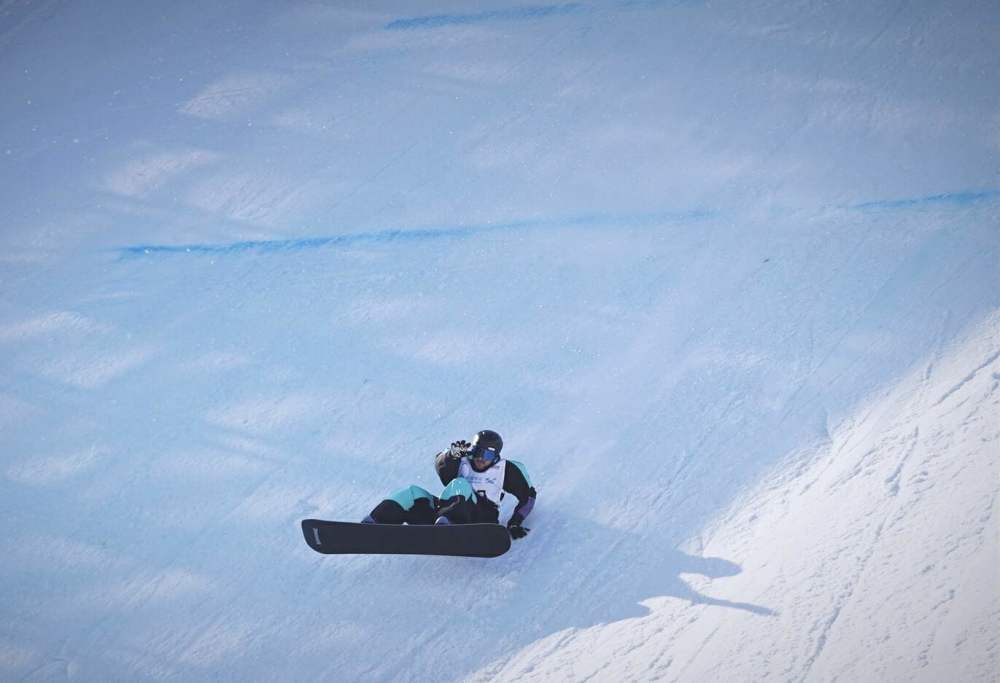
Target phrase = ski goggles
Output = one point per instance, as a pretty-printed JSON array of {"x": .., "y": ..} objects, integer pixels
[{"x": 487, "y": 454}]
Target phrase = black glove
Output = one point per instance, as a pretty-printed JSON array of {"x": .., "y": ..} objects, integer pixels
[
  {"x": 459, "y": 449},
  {"x": 516, "y": 530}
]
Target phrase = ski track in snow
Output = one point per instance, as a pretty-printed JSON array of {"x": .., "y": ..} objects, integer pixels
[{"x": 968, "y": 378}]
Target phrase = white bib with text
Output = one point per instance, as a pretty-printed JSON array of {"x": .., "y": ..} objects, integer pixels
[{"x": 488, "y": 483}]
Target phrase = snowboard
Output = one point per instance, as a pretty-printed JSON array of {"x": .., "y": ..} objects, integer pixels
[{"x": 351, "y": 538}]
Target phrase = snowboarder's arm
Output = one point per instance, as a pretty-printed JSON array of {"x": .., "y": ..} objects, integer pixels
[
  {"x": 447, "y": 461},
  {"x": 517, "y": 483}
]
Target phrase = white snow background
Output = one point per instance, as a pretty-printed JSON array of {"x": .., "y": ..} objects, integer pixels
[{"x": 725, "y": 276}]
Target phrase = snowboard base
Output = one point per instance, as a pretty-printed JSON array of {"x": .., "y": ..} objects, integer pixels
[{"x": 352, "y": 538}]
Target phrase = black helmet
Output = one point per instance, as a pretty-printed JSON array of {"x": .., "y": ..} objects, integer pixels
[{"x": 486, "y": 440}]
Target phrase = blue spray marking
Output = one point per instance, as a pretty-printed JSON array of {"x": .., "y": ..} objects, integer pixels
[
  {"x": 650, "y": 4},
  {"x": 402, "y": 236},
  {"x": 513, "y": 14},
  {"x": 294, "y": 244},
  {"x": 946, "y": 199},
  {"x": 597, "y": 219}
]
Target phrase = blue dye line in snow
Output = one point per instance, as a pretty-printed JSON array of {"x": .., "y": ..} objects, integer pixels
[
  {"x": 513, "y": 14},
  {"x": 946, "y": 199},
  {"x": 416, "y": 235},
  {"x": 582, "y": 220},
  {"x": 293, "y": 244},
  {"x": 644, "y": 4}
]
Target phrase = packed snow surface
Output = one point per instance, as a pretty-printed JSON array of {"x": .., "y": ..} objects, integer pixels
[{"x": 725, "y": 275}]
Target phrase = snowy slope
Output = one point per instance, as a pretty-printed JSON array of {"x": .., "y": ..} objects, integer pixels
[
  {"x": 872, "y": 556},
  {"x": 724, "y": 275}
]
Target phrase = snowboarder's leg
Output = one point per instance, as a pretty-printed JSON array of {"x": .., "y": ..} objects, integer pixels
[
  {"x": 412, "y": 505},
  {"x": 458, "y": 502}
]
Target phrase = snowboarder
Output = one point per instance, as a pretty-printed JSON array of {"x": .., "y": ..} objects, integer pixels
[{"x": 475, "y": 478}]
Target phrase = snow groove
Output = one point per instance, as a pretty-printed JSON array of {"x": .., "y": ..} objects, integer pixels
[{"x": 968, "y": 378}]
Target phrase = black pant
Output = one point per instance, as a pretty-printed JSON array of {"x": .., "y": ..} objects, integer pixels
[{"x": 415, "y": 505}]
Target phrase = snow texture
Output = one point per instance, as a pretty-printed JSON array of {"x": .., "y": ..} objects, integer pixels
[{"x": 725, "y": 275}]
